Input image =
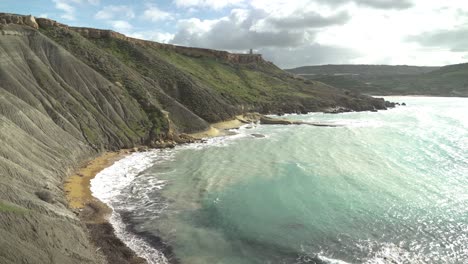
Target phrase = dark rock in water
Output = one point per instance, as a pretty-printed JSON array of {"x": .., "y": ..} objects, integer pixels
[
  {"x": 389, "y": 104},
  {"x": 143, "y": 149},
  {"x": 404, "y": 104},
  {"x": 184, "y": 139},
  {"x": 257, "y": 135},
  {"x": 45, "y": 196},
  {"x": 163, "y": 144},
  {"x": 337, "y": 110},
  {"x": 274, "y": 121}
]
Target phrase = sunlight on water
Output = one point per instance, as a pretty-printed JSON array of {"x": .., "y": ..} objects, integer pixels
[{"x": 387, "y": 187}]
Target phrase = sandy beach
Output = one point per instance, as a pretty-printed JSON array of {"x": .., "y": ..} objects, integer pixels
[
  {"x": 77, "y": 186},
  {"x": 94, "y": 213}
]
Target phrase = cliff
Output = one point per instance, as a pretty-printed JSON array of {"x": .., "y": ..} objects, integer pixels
[
  {"x": 67, "y": 94},
  {"x": 188, "y": 51}
]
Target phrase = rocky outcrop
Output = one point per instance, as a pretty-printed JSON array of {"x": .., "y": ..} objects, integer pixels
[
  {"x": 266, "y": 120},
  {"x": 30, "y": 21}
]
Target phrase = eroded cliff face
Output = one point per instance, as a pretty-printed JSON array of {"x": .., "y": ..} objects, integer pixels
[
  {"x": 67, "y": 94},
  {"x": 6, "y": 19},
  {"x": 52, "y": 114}
]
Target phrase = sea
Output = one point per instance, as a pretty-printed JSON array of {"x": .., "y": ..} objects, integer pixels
[{"x": 378, "y": 187}]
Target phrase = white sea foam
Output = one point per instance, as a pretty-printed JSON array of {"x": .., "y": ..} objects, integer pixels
[
  {"x": 330, "y": 260},
  {"x": 107, "y": 186},
  {"x": 110, "y": 182}
]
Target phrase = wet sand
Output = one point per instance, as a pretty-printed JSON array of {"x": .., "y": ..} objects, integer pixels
[{"x": 95, "y": 214}]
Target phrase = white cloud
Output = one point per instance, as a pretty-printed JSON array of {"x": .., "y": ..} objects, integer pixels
[
  {"x": 162, "y": 37},
  {"x": 244, "y": 29},
  {"x": 111, "y": 11},
  {"x": 382, "y": 35},
  {"x": 213, "y": 4},
  {"x": 154, "y": 14},
  {"x": 121, "y": 25},
  {"x": 66, "y": 7}
]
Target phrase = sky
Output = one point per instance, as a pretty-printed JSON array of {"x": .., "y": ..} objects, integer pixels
[{"x": 290, "y": 33}]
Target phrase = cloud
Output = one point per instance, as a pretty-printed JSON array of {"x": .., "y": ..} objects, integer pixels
[
  {"x": 158, "y": 36},
  {"x": 213, "y": 4},
  {"x": 377, "y": 4},
  {"x": 288, "y": 39},
  {"x": 121, "y": 25},
  {"x": 244, "y": 29},
  {"x": 386, "y": 4},
  {"x": 309, "y": 19},
  {"x": 66, "y": 7},
  {"x": 234, "y": 32},
  {"x": 455, "y": 40},
  {"x": 155, "y": 14},
  {"x": 112, "y": 11},
  {"x": 313, "y": 54}
]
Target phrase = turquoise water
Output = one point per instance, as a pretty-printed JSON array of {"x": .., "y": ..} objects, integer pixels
[{"x": 386, "y": 187}]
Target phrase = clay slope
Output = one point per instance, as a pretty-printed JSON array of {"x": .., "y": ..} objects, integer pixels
[{"x": 54, "y": 112}]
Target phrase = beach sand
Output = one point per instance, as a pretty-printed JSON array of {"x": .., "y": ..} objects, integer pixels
[
  {"x": 219, "y": 129},
  {"x": 77, "y": 187},
  {"x": 95, "y": 214}
]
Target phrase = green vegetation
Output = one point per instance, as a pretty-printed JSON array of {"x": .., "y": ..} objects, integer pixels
[
  {"x": 362, "y": 69},
  {"x": 450, "y": 80},
  {"x": 9, "y": 208}
]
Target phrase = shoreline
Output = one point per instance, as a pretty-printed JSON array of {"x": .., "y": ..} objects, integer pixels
[{"x": 94, "y": 214}]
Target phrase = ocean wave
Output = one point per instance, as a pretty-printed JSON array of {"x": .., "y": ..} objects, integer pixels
[{"x": 108, "y": 185}]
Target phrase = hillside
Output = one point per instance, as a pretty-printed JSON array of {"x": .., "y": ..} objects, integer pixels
[
  {"x": 68, "y": 94},
  {"x": 349, "y": 69},
  {"x": 450, "y": 80}
]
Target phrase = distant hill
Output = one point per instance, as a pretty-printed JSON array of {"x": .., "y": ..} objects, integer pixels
[
  {"x": 450, "y": 80},
  {"x": 349, "y": 69}
]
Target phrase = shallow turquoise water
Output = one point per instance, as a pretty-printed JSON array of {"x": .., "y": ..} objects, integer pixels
[{"x": 386, "y": 186}]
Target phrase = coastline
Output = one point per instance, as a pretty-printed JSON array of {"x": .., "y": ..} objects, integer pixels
[
  {"x": 95, "y": 214},
  {"x": 221, "y": 128}
]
